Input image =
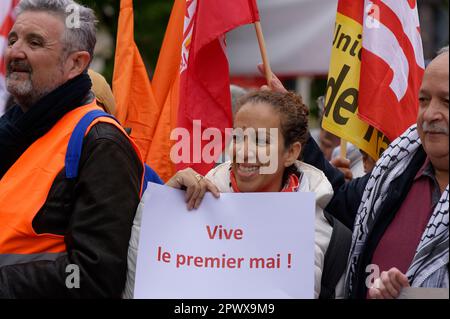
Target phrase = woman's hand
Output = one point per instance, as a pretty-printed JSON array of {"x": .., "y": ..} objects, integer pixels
[
  {"x": 275, "y": 84},
  {"x": 195, "y": 185},
  {"x": 389, "y": 285}
]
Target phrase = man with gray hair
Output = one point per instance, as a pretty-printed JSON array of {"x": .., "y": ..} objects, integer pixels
[
  {"x": 400, "y": 211},
  {"x": 67, "y": 196}
]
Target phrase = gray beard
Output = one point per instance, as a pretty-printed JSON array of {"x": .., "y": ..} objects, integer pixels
[{"x": 24, "y": 93}]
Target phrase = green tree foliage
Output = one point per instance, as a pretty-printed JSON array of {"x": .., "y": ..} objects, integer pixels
[{"x": 151, "y": 18}]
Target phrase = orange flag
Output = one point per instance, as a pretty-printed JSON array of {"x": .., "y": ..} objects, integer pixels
[
  {"x": 168, "y": 66},
  {"x": 166, "y": 85},
  {"x": 136, "y": 105}
]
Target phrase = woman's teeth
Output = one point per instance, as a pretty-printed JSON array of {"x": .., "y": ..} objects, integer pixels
[{"x": 248, "y": 169}]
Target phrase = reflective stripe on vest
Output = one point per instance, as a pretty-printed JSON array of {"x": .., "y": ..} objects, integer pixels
[
  {"x": 25, "y": 187},
  {"x": 6, "y": 260}
]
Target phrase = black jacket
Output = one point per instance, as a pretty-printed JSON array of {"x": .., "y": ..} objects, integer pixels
[
  {"x": 95, "y": 213},
  {"x": 347, "y": 199}
]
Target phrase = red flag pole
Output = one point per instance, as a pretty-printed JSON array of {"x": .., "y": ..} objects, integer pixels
[{"x": 263, "y": 49}]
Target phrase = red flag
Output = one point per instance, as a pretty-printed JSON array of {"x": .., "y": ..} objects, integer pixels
[
  {"x": 6, "y": 22},
  {"x": 205, "y": 86},
  {"x": 392, "y": 66}
]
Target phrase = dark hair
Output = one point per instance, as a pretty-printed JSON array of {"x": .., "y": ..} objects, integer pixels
[{"x": 293, "y": 113}]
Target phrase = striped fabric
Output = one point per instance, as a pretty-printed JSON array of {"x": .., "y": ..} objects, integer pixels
[
  {"x": 392, "y": 65},
  {"x": 429, "y": 265}
]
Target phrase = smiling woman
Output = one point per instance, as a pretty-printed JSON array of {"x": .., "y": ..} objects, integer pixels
[
  {"x": 280, "y": 124},
  {"x": 286, "y": 118}
]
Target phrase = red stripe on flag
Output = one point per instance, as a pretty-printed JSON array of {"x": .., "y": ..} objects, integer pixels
[
  {"x": 378, "y": 104},
  {"x": 393, "y": 23},
  {"x": 353, "y": 9},
  {"x": 412, "y": 3}
]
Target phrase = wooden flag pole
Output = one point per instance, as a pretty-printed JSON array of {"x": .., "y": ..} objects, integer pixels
[
  {"x": 263, "y": 49},
  {"x": 343, "y": 148}
]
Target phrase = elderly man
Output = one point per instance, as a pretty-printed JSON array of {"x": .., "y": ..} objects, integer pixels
[
  {"x": 399, "y": 212},
  {"x": 61, "y": 236},
  {"x": 66, "y": 209}
]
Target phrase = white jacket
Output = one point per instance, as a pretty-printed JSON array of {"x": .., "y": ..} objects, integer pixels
[{"x": 313, "y": 180}]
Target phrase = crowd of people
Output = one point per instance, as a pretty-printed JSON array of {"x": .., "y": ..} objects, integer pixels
[{"x": 61, "y": 205}]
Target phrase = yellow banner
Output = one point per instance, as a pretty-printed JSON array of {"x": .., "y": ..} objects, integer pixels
[{"x": 341, "y": 104}]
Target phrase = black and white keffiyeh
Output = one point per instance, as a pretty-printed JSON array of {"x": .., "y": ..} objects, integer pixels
[{"x": 433, "y": 250}]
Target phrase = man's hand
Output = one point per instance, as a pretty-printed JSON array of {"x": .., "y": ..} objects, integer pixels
[
  {"x": 275, "y": 83},
  {"x": 343, "y": 165},
  {"x": 389, "y": 285},
  {"x": 195, "y": 185}
]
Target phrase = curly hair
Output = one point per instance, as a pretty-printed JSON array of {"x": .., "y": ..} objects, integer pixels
[{"x": 293, "y": 113}]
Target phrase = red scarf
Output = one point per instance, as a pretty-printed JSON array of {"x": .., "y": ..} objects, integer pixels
[{"x": 292, "y": 185}]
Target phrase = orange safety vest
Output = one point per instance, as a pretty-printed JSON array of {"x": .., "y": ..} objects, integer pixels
[{"x": 25, "y": 187}]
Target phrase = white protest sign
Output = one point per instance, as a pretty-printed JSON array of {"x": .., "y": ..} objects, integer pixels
[
  {"x": 241, "y": 246},
  {"x": 424, "y": 293}
]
